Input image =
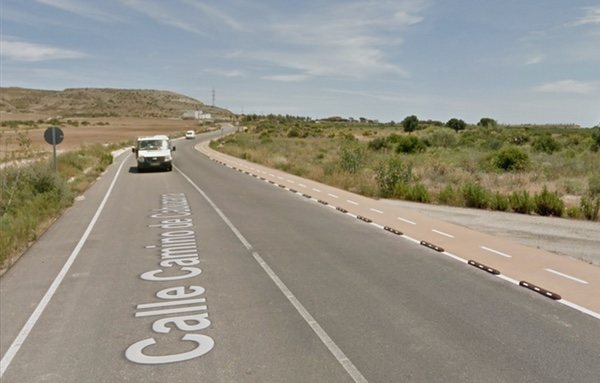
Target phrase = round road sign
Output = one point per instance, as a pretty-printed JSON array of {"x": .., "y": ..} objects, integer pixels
[{"x": 53, "y": 135}]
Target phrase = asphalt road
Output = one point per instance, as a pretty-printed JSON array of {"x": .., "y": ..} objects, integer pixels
[{"x": 206, "y": 274}]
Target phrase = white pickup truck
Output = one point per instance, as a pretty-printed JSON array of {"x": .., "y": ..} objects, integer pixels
[{"x": 154, "y": 152}]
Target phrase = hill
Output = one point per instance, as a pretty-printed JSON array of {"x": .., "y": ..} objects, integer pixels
[{"x": 102, "y": 102}]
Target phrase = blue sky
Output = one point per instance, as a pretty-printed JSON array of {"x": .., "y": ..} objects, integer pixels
[{"x": 518, "y": 61}]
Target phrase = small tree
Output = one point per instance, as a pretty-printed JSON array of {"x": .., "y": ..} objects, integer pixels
[
  {"x": 487, "y": 122},
  {"x": 410, "y": 123},
  {"x": 456, "y": 124},
  {"x": 596, "y": 138}
]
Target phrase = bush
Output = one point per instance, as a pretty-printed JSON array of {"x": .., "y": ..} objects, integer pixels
[
  {"x": 352, "y": 158},
  {"x": 456, "y": 124},
  {"x": 441, "y": 138},
  {"x": 410, "y": 144},
  {"x": 594, "y": 185},
  {"x": 487, "y": 122},
  {"x": 521, "y": 202},
  {"x": 546, "y": 143},
  {"x": 590, "y": 207},
  {"x": 390, "y": 173},
  {"x": 418, "y": 193},
  {"x": 475, "y": 196},
  {"x": 450, "y": 196},
  {"x": 548, "y": 203},
  {"x": 499, "y": 202},
  {"x": 510, "y": 158},
  {"x": 574, "y": 212},
  {"x": 378, "y": 144}
]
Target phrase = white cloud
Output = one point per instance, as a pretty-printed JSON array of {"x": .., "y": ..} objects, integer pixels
[
  {"x": 566, "y": 86},
  {"x": 592, "y": 16},
  {"x": 81, "y": 9},
  {"x": 213, "y": 12},
  {"x": 25, "y": 51},
  {"x": 536, "y": 59},
  {"x": 163, "y": 15},
  {"x": 287, "y": 77},
  {"x": 354, "y": 40}
]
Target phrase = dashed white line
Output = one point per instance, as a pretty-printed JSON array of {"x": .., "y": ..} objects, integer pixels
[
  {"x": 290, "y": 181},
  {"x": 567, "y": 276},
  {"x": 442, "y": 233},
  {"x": 272, "y": 175},
  {"x": 376, "y": 211},
  {"x": 496, "y": 252},
  {"x": 407, "y": 221},
  {"x": 352, "y": 202},
  {"x": 317, "y": 190},
  {"x": 281, "y": 178},
  {"x": 302, "y": 185},
  {"x": 332, "y": 195}
]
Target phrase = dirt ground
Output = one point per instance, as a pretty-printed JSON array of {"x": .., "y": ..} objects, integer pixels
[
  {"x": 575, "y": 238},
  {"x": 102, "y": 130}
]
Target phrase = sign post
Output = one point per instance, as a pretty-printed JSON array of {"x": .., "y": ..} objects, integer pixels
[{"x": 54, "y": 136}]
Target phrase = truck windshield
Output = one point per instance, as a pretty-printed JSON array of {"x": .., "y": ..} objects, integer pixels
[{"x": 153, "y": 144}]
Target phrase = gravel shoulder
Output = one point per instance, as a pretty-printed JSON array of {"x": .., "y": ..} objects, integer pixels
[{"x": 577, "y": 239}]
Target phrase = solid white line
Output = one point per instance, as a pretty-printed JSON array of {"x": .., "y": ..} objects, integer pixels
[
  {"x": 24, "y": 333},
  {"x": 579, "y": 308},
  {"x": 323, "y": 336},
  {"x": 567, "y": 276},
  {"x": 352, "y": 202},
  {"x": 376, "y": 211},
  {"x": 496, "y": 252},
  {"x": 442, "y": 233},
  {"x": 332, "y": 195},
  {"x": 407, "y": 221},
  {"x": 317, "y": 190}
]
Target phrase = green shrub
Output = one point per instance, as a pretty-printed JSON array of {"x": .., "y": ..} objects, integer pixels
[
  {"x": 521, "y": 202},
  {"x": 418, "y": 193},
  {"x": 410, "y": 123},
  {"x": 499, "y": 202},
  {"x": 441, "y": 138},
  {"x": 590, "y": 207},
  {"x": 352, "y": 158},
  {"x": 594, "y": 185},
  {"x": 450, "y": 196},
  {"x": 456, "y": 124},
  {"x": 510, "y": 158},
  {"x": 410, "y": 144},
  {"x": 475, "y": 196},
  {"x": 378, "y": 143},
  {"x": 391, "y": 172},
  {"x": 548, "y": 203},
  {"x": 292, "y": 133},
  {"x": 574, "y": 212},
  {"x": 546, "y": 143}
]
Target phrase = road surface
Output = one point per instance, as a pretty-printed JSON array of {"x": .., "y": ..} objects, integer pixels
[{"x": 209, "y": 274}]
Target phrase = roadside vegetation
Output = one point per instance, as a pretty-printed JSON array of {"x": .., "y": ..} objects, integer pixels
[
  {"x": 544, "y": 170},
  {"x": 33, "y": 195}
]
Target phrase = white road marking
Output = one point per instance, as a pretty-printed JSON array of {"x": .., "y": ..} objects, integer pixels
[
  {"x": 332, "y": 195},
  {"x": 24, "y": 333},
  {"x": 302, "y": 185},
  {"x": 323, "y": 336},
  {"x": 442, "y": 233},
  {"x": 317, "y": 190},
  {"x": 352, "y": 202},
  {"x": 407, "y": 221},
  {"x": 496, "y": 252},
  {"x": 376, "y": 211},
  {"x": 567, "y": 276},
  {"x": 290, "y": 181},
  {"x": 281, "y": 178},
  {"x": 272, "y": 175}
]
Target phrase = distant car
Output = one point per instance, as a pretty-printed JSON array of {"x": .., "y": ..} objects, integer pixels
[{"x": 190, "y": 134}]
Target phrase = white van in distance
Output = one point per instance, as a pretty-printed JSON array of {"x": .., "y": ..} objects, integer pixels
[{"x": 154, "y": 152}]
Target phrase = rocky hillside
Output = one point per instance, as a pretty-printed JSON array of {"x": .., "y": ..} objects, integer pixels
[{"x": 96, "y": 102}]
